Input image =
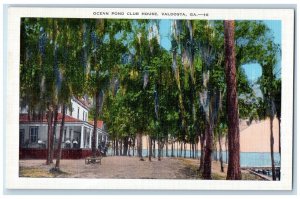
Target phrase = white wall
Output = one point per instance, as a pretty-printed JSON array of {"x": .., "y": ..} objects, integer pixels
[
  {"x": 42, "y": 133},
  {"x": 83, "y": 112}
]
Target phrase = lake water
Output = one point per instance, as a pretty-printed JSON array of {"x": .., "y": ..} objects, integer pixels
[{"x": 248, "y": 159}]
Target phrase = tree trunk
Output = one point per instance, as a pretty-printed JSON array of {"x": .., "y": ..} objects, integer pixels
[
  {"x": 117, "y": 147},
  {"x": 202, "y": 140},
  {"x": 162, "y": 149},
  {"x": 194, "y": 150},
  {"x": 147, "y": 151},
  {"x": 125, "y": 149},
  {"x": 133, "y": 145},
  {"x": 154, "y": 151},
  {"x": 234, "y": 170},
  {"x": 129, "y": 144},
  {"x": 62, "y": 126},
  {"x": 279, "y": 123},
  {"x": 181, "y": 149},
  {"x": 150, "y": 149},
  {"x": 167, "y": 146},
  {"x": 54, "y": 132},
  {"x": 172, "y": 149},
  {"x": 197, "y": 149},
  {"x": 94, "y": 136},
  {"x": 114, "y": 147},
  {"x": 190, "y": 150},
  {"x": 177, "y": 148},
  {"x": 159, "y": 149},
  {"x": 121, "y": 145},
  {"x": 220, "y": 152},
  {"x": 139, "y": 146},
  {"x": 49, "y": 121},
  {"x": 272, "y": 149},
  {"x": 206, "y": 174},
  {"x": 226, "y": 147},
  {"x": 55, "y": 65},
  {"x": 184, "y": 147}
]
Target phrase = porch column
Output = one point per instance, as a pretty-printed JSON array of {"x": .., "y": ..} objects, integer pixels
[
  {"x": 72, "y": 134},
  {"x": 68, "y": 134},
  {"x": 81, "y": 137},
  {"x": 90, "y": 144}
]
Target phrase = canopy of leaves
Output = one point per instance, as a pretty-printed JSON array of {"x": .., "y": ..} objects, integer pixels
[{"x": 165, "y": 94}]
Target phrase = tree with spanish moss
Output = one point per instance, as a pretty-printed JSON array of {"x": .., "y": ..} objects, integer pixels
[{"x": 269, "y": 88}]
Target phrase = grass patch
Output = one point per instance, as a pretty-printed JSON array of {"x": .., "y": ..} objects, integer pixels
[
  {"x": 35, "y": 173},
  {"x": 185, "y": 160},
  {"x": 57, "y": 172},
  {"x": 192, "y": 171},
  {"x": 40, "y": 173},
  {"x": 215, "y": 176},
  {"x": 250, "y": 176}
]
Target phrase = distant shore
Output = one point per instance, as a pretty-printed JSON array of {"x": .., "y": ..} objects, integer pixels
[{"x": 253, "y": 138}]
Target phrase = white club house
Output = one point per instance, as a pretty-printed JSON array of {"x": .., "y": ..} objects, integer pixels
[{"x": 77, "y": 132}]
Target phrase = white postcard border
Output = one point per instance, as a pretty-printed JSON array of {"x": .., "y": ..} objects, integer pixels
[{"x": 13, "y": 181}]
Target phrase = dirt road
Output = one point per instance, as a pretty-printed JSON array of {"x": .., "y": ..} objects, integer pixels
[{"x": 122, "y": 168}]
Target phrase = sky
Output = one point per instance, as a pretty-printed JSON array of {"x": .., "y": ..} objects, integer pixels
[
  {"x": 165, "y": 32},
  {"x": 253, "y": 71}
]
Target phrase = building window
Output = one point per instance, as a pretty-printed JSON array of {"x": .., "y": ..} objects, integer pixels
[
  {"x": 78, "y": 113},
  {"x": 83, "y": 115},
  {"x": 34, "y": 134}
]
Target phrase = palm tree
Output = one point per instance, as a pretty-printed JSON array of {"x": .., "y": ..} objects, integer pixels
[
  {"x": 102, "y": 64},
  {"x": 68, "y": 73}
]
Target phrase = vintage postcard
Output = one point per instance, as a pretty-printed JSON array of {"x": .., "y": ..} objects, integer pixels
[{"x": 137, "y": 98}]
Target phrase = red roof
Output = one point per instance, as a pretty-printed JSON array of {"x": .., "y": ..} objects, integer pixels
[
  {"x": 24, "y": 118},
  {"x": 99, "y": 123}
]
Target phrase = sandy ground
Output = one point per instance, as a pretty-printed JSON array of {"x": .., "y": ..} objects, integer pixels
[
  {"x": 123, "y": 168},
  {"x": 117, "y": 167}
]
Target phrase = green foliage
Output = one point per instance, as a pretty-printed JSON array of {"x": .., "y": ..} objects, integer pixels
[
  {"x": 153, "y": 91},
  {"x": 269, "y": 84}
]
